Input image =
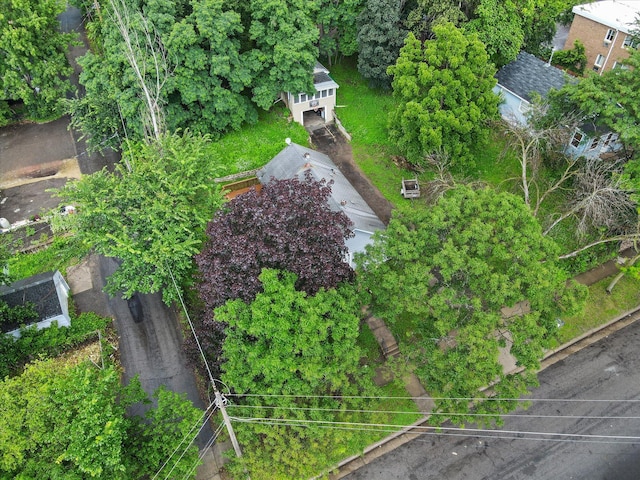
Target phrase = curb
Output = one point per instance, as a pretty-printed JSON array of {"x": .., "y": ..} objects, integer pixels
[{"x": 399, "y": 438}]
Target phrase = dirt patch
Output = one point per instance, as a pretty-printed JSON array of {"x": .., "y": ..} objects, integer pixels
[{"x": 330, "y": 141}]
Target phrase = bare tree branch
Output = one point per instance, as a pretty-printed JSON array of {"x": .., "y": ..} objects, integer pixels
[
  {"x": 138, "y": 57},
  {"x": 601, "y": 201}
]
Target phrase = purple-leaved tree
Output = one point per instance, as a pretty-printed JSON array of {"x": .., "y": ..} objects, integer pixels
[{"x": 288, "y": 225}]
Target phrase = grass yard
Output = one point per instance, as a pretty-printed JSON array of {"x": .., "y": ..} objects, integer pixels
[
  {"x": 363, "y": 111},
  {"x": 602, "y": 307},
  {"x": 254, "y": 145}
]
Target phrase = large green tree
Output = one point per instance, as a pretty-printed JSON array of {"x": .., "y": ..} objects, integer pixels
[
  {"x": 284, "y": 51},
  {"x": 64, "y": 421},
  {"x": 337, "y": 26},
  {"x": 33, "y": 65},
  {"x": 151, "y": 212},
  {"x": 380, "y": 36},
  {"x": 448, "y": 271},
  {"x": 188, "y": 52},
  {"x": 298, "y": 353},
  {"x": 443, "y": 91},
  {"x": 498, "y": 24}
]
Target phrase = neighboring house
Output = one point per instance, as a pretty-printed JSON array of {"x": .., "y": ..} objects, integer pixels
[
  {"x": 314, "y": 107},
  {"x": 519, "y": 80},
  {"x": 527, "y": 75},
  {"x": 49, "y": 293},
  {"x": 294, "y": 160},
  {"x": 605, "y": 30}
]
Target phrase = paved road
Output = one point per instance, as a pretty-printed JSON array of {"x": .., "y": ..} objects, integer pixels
[
  {"x": 609, "y": 369},
  {"x": 152, "y": 346}
]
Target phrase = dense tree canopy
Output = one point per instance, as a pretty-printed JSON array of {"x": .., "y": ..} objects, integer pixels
[
  {"x": 33, "y": 65},
  {"x": 443, "y": 88},
  {"x": 337, "y": 25},
  {"x": 284, "y": 49},
  {"x": 217, "y": 61},
  {"x": 498, "y": 24},
  {"x": 289, "y": 343},
  {"x": 380, "y": 36},
  {"x": 150, "y": 213},
  {"x": 288, "y": 225},
  {"x": 201, "y": 78},
  {"x": 64, "y": 421},
  {"x": 449, "y": 271}
]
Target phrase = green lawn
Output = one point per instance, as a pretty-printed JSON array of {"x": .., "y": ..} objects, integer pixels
[
  {"x": 602, "y": 307},
  {"x": 254, "y": 145}
]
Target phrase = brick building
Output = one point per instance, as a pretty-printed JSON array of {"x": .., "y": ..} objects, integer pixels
[{"x": 605, "y": 28}]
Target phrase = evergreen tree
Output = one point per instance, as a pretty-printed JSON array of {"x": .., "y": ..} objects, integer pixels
[
  {"x": 444, "y": 93},
  {"x": 380, "y": 37}
]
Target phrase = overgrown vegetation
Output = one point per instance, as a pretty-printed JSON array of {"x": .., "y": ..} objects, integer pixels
[
  {"x": 62, "y": 253},
  {"x": 49, "y": 342}
]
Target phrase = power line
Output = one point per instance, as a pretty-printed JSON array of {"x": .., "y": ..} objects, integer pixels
[
  {"x": 436, "y": 428},
  {"x": 200, "y": 421},
  {"x": 208, "y": 445},
  {"x": 457, "y": 431},
  {"x": 382, "y": 397},
  {"x": 189, "y": 445},
  {"x": 220, "y": 401},
  {"x": 522, "y": 415}
]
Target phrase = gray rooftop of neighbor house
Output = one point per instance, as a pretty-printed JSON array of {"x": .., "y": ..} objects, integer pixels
[
  {"x": 39, "y": 289},
  {"x": 618, "y": 14},
  {"x": 295, "y": 159},
  {"x": 527, "y": 74}
]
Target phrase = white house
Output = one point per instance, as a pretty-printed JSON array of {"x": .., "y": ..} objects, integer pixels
[
  {"x": 307, "y": 108},
  {"x": 294, "y": 160}
]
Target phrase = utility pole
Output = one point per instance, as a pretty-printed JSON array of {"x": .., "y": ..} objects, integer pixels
[{"x": 227, "y": 421}]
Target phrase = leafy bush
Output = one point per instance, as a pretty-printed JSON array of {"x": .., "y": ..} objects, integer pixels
[
  {"x": 48, "y": 342},
  {"x": 574, "y": 60},
  {"x": 18, "y": 315},
  {"x": 63, "y": 252}
]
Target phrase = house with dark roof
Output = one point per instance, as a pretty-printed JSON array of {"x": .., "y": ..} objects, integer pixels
[
  {"x": 521, "y": 79},
  {"x": 49, "y": 293},
  {"x": 317, "y": 107},
  {"x": 295, "y": 160},
  {"x": 527, "y": 76}
]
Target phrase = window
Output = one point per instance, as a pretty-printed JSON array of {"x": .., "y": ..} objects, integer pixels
[
  {"x": 577, "y": 138},
  {"x": 611, "y": 33},
  {"x": 324, "y": 93},
  {"x": 594, "y": 143},
  {"x": 630, "y": 42},
  {"x": 611, "y": 137},
  {"x": 330, "y": 92},
  {"x": 598, "y": 63},
  {"x": 303, "y": 97}
]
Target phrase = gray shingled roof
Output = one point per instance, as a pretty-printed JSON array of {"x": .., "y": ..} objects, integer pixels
[
  {"x": 527, "y": 74},
  {"x": 292, "y": 162},
  {"x": 322, "y": 80},
  {"x": 39, "y": 289}
]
